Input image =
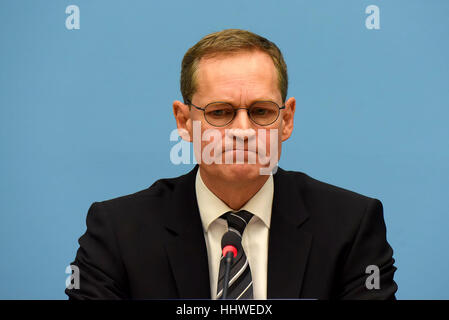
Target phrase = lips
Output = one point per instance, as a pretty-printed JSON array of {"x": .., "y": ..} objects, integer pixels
[
  {"x": 236, "y": 149},
  {"x": 239, "y": 147}
]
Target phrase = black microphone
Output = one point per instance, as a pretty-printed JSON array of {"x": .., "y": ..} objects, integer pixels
[{"x": 229, "y": 244}]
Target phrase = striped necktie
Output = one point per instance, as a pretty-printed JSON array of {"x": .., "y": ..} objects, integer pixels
[{"x": 240, "y": 280}]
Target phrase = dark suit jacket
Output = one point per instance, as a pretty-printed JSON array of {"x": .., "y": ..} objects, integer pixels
[{"x": 151, "y": 245}]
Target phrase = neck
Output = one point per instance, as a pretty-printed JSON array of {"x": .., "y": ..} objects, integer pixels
[{"x": 233, "y": 194}]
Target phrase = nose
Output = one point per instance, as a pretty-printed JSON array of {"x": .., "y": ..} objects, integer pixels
[{"x": 242, "y": 120}]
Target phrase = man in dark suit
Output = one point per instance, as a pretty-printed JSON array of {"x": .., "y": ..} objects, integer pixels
[{"x": 296, "y": 237}]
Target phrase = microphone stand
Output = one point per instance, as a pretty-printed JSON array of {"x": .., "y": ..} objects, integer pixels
[{"x": 228, "y": 262}]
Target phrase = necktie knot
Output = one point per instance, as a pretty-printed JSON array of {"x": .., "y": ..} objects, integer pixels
[{"x": 237, "y": 221}]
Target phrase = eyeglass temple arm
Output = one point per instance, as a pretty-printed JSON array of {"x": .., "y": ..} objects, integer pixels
[{"x": 189, "y": 103}]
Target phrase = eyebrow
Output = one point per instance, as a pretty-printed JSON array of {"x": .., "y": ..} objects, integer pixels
[{"x": 251, "y": 102}]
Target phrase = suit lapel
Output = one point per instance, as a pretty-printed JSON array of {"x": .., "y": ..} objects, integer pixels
[
  {"x": 289, "y": 246},
  {"x": 186, "y": 247}
]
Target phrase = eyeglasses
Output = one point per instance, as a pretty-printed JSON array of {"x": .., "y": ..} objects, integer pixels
[{"x": 220, "y": 114}]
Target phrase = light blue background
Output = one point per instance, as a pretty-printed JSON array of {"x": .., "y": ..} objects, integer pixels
[{"x": 86, "y": 115}]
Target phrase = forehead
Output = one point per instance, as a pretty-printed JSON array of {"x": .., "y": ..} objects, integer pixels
[{"x": 243, "y": 74}]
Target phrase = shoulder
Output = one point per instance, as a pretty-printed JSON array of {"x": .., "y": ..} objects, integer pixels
[
  {"x": 316, "y": 189},
  {"x": 144, "y": 204},
  {"x": 327, "y": 202},
  {"x": 160, "y": 189}
]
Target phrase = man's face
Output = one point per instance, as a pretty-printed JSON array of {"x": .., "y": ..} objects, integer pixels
[{"x": 239, "y": 79}]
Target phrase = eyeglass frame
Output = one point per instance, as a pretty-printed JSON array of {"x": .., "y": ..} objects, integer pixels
[{"x": 189, "y": 103}]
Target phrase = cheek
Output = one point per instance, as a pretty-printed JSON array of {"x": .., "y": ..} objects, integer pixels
[
  {"x": 212, "y": 140},
  {"x": 274, "y": 137},
  {"x": 212, "y": 143}
]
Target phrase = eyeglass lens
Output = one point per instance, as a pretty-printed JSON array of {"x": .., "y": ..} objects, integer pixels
[{"x": 261, "y": 112}]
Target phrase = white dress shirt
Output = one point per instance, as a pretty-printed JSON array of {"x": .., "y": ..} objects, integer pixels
[{"x": 254, "y": 239}]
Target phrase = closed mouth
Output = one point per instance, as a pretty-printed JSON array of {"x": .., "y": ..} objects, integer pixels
[{"x": 233, "y": 149}]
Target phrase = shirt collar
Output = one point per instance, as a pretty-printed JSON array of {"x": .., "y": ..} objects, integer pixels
[{"x": 211, "y": 207}]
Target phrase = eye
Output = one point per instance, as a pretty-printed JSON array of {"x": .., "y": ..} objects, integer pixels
[
  {"x": 257, "y": 111},
  {"x": 219, "y": 110},
  {"x": 218, "y": 113}
]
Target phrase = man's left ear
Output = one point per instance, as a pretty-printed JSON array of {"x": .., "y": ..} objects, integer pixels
[{"x": 287, "y": 118}]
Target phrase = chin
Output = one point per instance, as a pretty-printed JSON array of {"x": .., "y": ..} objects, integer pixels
[{"x": 239, "y": 172}]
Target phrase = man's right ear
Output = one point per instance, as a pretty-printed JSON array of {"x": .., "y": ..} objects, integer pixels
[{"x": 181, "y": 112}]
